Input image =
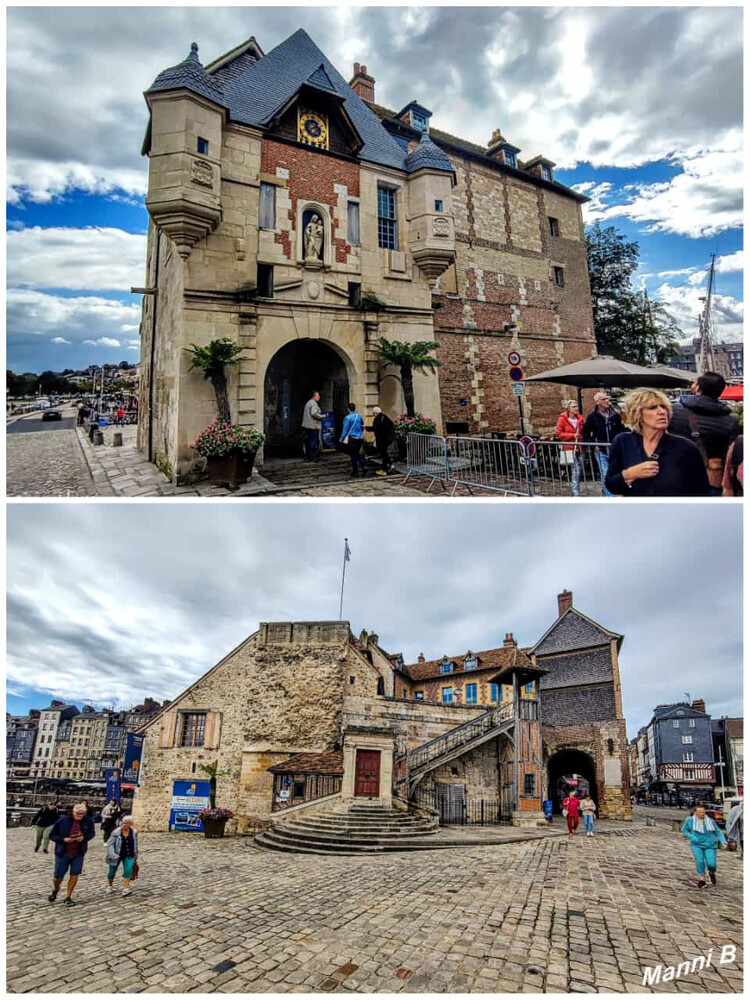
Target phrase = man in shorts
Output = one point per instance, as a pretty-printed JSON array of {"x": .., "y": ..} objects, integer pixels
[{"x": 71, "y": 835}]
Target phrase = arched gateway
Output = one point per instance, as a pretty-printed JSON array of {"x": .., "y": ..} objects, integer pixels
[
  {"x": 570, "y": 770},
  {"x": 294, "y": 372}
]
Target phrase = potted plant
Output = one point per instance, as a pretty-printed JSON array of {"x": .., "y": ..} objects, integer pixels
[
  {"x": 214, "y": 821},
  {"x": 230, "y": 451},
  {"x": 414, "y": 424}
]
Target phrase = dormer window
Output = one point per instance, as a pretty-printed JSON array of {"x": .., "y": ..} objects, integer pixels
[
  {"x": 510, "y": 159},
  {"x": 470, "y": 663},
  {"x": 419, "y": 121},
  {"x": 546, "y": 172},
  {"x": 446, "y": 667},
  {"x": 399, "y": 662}
]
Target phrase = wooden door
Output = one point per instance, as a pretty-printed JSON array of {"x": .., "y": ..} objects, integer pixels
[{"x": 367, "y": 774}]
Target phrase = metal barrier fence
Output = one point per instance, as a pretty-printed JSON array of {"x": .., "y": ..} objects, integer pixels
[{"x": 545, "y": 468}]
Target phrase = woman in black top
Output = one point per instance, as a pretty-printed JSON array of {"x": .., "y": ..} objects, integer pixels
[{"x": 648, "y": 461}]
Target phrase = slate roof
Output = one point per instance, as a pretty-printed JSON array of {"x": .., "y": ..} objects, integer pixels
[
  {"x": 191, "y": 75},
  {"x": 311, "y": 763},
  {"x": 427, "y": 154},
  {"x": 668, "y": 711},
  {"x": 572, "y": 631},
  {"x": 496, "y": 660}
]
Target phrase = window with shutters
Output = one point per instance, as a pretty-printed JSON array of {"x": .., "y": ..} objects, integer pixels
[
  {"x": 193, "y": 729},
  {"x": 267, "y": 212}
]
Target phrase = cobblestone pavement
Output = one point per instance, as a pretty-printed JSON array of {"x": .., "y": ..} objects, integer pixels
[
  {"x": 553, "y": 915},
  {"x": 47, "y": 463}
]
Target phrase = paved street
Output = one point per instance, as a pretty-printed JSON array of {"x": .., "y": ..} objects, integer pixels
[
  {"x": 44, "y": 459},
  {"x": 554, "y": 915}
]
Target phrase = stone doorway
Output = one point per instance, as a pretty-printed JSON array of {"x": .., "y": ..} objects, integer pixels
[
  {"x": 292, "y": 375},
  {"x": 570, "y": 769},
  {"x": 367, "y": 774}
]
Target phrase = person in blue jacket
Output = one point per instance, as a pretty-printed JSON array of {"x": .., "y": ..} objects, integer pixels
[
  {"x": 71, "y": 835},
  {"x": 352, "y": 438},
  {"x": 704, "y": 836}
]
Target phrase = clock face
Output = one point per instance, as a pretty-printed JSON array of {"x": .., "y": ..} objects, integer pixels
[{"x": 312, "y": 129}]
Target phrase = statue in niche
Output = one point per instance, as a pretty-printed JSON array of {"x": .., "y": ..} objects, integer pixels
[{"x": 314, "y": 238}]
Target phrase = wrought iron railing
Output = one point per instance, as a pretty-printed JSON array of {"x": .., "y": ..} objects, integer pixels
[{"x": 454, "y": 739}]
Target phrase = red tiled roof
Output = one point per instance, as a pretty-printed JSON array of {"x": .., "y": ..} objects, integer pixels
[
  {"x": 311, "y": 763},
  {"x": 496, "y": 660}
]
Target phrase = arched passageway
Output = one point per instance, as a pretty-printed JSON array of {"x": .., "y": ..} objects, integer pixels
[
  {"x": 570, "y": 769},
  {"x": 293, "y": 374}
]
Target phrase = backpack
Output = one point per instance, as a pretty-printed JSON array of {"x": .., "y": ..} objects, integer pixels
[{"x": 714, "y": 466}]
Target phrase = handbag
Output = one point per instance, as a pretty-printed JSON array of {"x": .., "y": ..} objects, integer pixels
[
  {"x": 565, "y": 813},
  {"x": 134, "y": 874},
  {"x": 567, "y": 457}
]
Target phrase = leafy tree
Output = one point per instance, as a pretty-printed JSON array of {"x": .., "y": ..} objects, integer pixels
[
  {"x": 626, "y": 324},
  {"x": 213, "y": 361},
  {"x": 408, "y": 358}
]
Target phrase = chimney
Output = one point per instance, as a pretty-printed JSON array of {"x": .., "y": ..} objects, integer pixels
[
  {"x": 509, "y": 641},
  {"x": 564, "y": 601},
  {"x": 420, "y": 658},
  {"x": 699, "y": 705},
  {"x": 362, "y": 84},
  {"x": 372, "y": 639}
]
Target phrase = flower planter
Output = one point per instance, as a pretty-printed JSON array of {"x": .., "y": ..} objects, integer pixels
[
  {"x": 213, "y": 828},
  {"x": 401, "y": 446},
  {"x": 231, "y": 470}
]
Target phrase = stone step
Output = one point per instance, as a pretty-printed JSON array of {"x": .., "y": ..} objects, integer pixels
[
  {"x": 275, "y": 840},
  {"x": 351, "y": 836},
  {"x": 337, "y": 823}
]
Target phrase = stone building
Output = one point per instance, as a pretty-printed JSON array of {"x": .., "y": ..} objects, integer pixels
[
  {"x": 50, "y": 719},
  {"x": 292, "y": 214},
  {"x": 305, "y": 708}
]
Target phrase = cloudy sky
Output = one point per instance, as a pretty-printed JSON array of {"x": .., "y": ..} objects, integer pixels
[
  {"x": 106, "y": 605},
  {"x": 640, "y": 107}
]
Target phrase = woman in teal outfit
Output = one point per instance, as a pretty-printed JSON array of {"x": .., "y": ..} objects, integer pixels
[{"x": 704, "y": 835}]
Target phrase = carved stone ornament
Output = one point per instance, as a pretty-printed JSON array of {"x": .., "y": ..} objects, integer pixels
[
  {"x": 441, "y": 227},
  {"x": 202, "y": 173},
  {"x": 313, "y": 289},
  {"x": 313, "y": 238}
]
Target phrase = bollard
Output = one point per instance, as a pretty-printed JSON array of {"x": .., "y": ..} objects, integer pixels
[
  {"x": 98, "y": 437},
  {"x": 650, "y": 821},
  {"x": 117, "y": 439},
  {"x": 676, "y": 825}
]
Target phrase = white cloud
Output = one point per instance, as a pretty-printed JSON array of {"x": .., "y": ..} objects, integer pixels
[
  {"x": 61, "y": 340},
  {"x": 92, "y": 259},
  {"x": 684, "y": 303},
  {"x": 86, "y": 319}
]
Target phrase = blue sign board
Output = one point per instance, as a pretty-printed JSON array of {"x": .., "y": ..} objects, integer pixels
[
  {"x": 112, "y": 777},
  {"x": 328, "y": 431},
  {"x": 132, "y": 766},
  {"x": 547, "y": 807},
  {"x": 188, "y": 798}
]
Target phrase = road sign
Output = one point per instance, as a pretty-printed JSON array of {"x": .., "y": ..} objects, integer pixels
[
  {"x": 518, "y": 388},
  {"x": 514, "y": 358},
  {"x": 516, "y": 374},
  {"x": 527, "y": 443}
]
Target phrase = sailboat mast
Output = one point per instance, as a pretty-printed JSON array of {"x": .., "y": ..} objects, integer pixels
[{"x": 706, "y": 352}]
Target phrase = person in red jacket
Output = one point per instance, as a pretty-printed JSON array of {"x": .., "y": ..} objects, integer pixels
[
  {"x": 570, "y": 429},
  {"x": 571, "y": 806}
]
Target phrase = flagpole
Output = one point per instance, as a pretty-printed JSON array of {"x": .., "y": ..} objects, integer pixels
[{"x": 343, "y": 576}]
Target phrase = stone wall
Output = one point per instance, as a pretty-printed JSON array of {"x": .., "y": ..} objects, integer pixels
[{"x": 611, "y": 769}]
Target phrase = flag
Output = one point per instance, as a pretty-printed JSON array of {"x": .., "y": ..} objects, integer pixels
[{"x": 347, "y": 551}]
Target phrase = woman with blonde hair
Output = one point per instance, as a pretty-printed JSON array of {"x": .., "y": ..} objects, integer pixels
[
  {"x": 122, "y": 847},
  {"x": 650, "y": 462},
  {"x": 569, "y": 428}
]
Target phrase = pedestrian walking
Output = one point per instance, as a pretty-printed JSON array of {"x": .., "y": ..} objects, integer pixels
[
  {"x": 701, "y": 417},
  {"x": 588, "y": 811},
  {"x": 120, "y": 416},
  {"x": 734, "y": 825},
  {"x": 312, "y": 419},
  {"x": 602, "y": 426},
  {"x": 385, "y": 432},
  {"x": 571, "y": 811},
  {"x": 44, "y": 821},
  {"x": 734, "y": 474},
  {"x": 352, "y": 438},
  {"x": 71, "y": 835},
  {"x": 704, "y": 836},
  {"x": 122, "y": 848},
  {"x": 569, "y": 428},
  {"x": 648, "y": 461},
  {"x": 111, "y": 814}
]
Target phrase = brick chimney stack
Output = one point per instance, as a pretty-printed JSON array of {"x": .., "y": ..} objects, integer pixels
[
  {"x": 362, "y": 84},
  {"x": 564, "y": 601},
  {"x": 699, "y": 705},
  {"x": 509, "y": 641},
  {"x": 420, "y": 658}
]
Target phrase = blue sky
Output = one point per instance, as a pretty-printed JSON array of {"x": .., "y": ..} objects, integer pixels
[{"x": 619, "y": 97}]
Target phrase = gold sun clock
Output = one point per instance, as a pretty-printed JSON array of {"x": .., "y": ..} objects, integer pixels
[{"x": 312, "y": 129}]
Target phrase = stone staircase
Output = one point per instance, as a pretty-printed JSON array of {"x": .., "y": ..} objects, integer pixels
[{"x": 357, "y": 829}]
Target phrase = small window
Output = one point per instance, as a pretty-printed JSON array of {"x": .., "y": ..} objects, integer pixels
[
  {"x": 470, "y": 663},
  {"x": 689, "y": 774},
  {"x": 691, "y": 723},
  {"x": 675, "y": 723},
  {"x": 546, "y": 173},
  {"x": 438, "y": 205},
  {"x": 387, "y": 222},
  {"x": 554, "y": 227},
  {"x": 352, "y": 230},
  {"x": 192, "y": 768},
  {"x": 299, "y": 790},
  {"x": 528, "y": 688},
  {"x": 355, "y": 302},
  {"x": 419, "y": 695},
  {"x": 351, "y": 680},
  {"x": 688, "y": 756},
  {"x": 529, "y": 784},
  {"x": 559, "y": 276},
  {"x": 203, "y": 146},
  {"x": 267, "y": 209},
  {"x": 193, "y": 729},
  {"x": 446, "y": 667},
  {"x": 471, "y": 694},
  {"x": 687, "y": 739},
  {"x": 447, "y": 694},
  {"x": 510, "y": 159},
  {"x": 265, "y": 280},
  {"x": 419, "y": 121},
  {"x": 381, "y": 685}
]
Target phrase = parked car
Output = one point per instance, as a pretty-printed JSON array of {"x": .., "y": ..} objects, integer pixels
[{"x": 52, "y": 415}]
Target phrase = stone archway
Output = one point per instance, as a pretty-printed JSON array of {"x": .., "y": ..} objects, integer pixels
[
  {"x": 575, "y": 764},
  {"x": 292, "y": 375}
]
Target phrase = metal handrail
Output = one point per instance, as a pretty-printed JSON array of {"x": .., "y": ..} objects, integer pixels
[{"x": 454, "y": 738}]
